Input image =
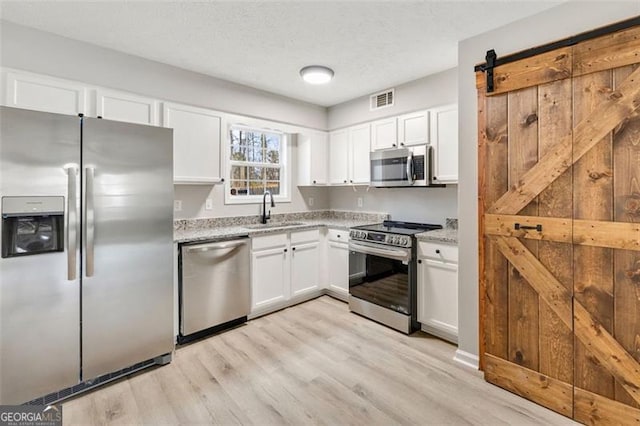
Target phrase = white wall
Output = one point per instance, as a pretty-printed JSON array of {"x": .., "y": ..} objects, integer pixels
[
  {"x": 562, "y": 21},
  {"x": 426, "y": 205},
  {"x": 41, "y": 52},
  {"x": 32, "y": 50},
  {"x": 431, "y": 205},
  {"x": 433, "y": 90}
]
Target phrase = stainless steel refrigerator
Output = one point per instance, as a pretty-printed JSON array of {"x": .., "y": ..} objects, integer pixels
[{"x": 86, "y": 274}]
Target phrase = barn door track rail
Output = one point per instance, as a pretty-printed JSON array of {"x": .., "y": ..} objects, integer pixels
[{"x": 493, "y": 61}]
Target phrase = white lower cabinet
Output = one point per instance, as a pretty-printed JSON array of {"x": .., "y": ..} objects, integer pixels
[
  {"x": 284, "y": 269},
  {"x": 338, "y": 263},
  {"x": 438, "y": 289}
]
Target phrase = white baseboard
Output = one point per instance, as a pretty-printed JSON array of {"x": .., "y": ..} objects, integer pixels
[{"x": 468, "y": 359}]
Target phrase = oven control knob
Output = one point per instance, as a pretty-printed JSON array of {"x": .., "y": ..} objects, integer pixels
[{"x": 405, "y": 241}]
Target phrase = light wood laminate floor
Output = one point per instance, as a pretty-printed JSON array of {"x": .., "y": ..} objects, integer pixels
[{"x": 314, "y": 363}]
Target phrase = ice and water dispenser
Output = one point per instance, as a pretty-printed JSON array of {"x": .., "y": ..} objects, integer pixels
[{"x": 32, "y": 225}]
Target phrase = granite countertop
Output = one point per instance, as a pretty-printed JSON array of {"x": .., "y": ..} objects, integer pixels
[
  {"x": 224, "y": 228},
  {"x": 440, "y": 235},
  {"x": 449, "y": 234}
]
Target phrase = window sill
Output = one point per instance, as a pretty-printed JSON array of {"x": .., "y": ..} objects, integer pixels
[{"x": 256, "y": 200}]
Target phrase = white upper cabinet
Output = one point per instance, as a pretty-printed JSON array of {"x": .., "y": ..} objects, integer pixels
[
  {"x": 360, "y": 147},
  {"x": 196, "y": 143},
  {"x": 339, "y": 157},
  {"x": 413, "y": 128},
  {"x": 121, "y": 106},
  {"x": 47, "y": 94},
  {"x": 444, "y": 139},
  {"x": 349, "y": 155},
  {"x": 313, "y": 150},
  {"x": 384, "y": 134}
]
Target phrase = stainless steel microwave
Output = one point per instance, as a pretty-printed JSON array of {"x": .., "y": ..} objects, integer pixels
[{"x": 401, "y": 167}]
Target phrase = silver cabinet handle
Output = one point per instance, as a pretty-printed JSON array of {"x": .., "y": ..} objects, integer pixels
[
  {"x": 212, "y": 247},
  {"x": 72, "y": 222},
  {"x": 89, "y": 221}
]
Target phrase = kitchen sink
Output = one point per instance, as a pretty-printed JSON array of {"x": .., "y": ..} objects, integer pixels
[{"x": 274, "y": 225}]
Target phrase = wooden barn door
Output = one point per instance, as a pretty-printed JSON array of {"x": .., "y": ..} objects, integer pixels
[{"x": 559, "y": 176}]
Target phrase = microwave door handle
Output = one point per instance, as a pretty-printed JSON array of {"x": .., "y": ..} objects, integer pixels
[{"x": 410, "y": 168}]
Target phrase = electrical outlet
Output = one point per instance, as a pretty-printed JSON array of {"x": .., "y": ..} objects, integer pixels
[
  {"x": 359, "y": 201},
  {"x": 177, "y": 205},
  {"x": 208, "y": 205},
  {"x": 310, "y": 201}
]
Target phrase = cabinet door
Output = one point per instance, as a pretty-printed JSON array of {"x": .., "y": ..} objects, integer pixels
[
  {"x": 196, "y": 143},
  {"x": 444, "y": 139},
  {"x": 338, "y": 257},
  {"x": 438, "y": 298},
  {"x": 47, "y": 94},
  {"x": 305, "y": 268},
  {"x": 339, "y": 157},
  {"x": 360, "y": 147},
  {"x": 413, "y": 129},
  {"x": 312, "y": 159},
  {"x": 120, "y": 106},
  {"x": 269, "y": 277},
  {"x": 384, "y": 134}
]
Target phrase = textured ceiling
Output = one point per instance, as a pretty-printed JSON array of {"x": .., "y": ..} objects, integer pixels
[{"x": 371, "y": 45}]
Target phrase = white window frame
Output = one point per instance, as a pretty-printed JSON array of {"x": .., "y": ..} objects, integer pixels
[{"x": 285, "y": 167}]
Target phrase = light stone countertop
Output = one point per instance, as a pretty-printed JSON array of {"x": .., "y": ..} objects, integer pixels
[
  {"x": 216, "y": 229},
  {"x": 225, "y": 232},
  {"x": 439, "y": 235}
]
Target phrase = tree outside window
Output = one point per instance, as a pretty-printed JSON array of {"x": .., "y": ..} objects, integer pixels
[{"x": 256, "y": 158}]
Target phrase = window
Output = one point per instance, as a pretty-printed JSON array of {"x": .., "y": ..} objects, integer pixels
[{"x": 257, "y": 163}]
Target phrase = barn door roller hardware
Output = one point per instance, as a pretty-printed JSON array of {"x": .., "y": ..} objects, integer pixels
[{"x": 492, "y": 60}]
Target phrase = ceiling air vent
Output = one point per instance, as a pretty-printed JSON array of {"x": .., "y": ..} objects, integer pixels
[{"x": 382, "y": 99}]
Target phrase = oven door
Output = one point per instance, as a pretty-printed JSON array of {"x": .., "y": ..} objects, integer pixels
[{"x": 381, "y": 275}]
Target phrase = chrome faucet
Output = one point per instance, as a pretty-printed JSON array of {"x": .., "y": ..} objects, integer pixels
[{"x": 266, "y": 215}]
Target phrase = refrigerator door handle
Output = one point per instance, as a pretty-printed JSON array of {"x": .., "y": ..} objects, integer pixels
[
  {"x": 72, "y": 221},
  {"x": 89, "y": 221}
]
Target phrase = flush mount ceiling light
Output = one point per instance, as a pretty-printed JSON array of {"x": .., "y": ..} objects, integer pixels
[{"x": 316, "y": 74}]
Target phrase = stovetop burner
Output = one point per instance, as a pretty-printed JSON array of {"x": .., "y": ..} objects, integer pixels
[
  {"x": 398, "y": 227},
  {"x": 390, "y": 232}
]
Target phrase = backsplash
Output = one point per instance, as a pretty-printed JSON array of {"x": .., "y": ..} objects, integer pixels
[
  {"x": 451, "y": 223},
  {"x": 186, "y": 224}
]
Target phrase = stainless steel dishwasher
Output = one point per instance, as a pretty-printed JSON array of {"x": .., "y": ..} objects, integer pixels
[{"x": 215, "y": 290}]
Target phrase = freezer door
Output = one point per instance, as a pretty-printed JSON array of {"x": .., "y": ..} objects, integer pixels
[
  {"x": 40, "y": 293},
  {"x": 127, "y": 287}
]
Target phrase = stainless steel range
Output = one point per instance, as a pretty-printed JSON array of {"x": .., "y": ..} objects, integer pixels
[{"x": 383, "y": 272}]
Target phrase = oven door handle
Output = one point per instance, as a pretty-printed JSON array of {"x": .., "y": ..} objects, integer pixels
[{"x": 387, "y": 253}]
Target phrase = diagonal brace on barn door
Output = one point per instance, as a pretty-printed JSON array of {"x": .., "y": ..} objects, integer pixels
[
  {"x": 596, "y": 339},
  {"x": 619, "y": 105}
]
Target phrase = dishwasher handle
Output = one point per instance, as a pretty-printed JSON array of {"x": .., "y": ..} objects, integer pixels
[{"x": 216, "y": 246}]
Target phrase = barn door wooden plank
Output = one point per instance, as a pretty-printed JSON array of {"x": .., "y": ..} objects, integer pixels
[
  {"x": 593, "y": 409},
  {"x": 523, "y": 300},
  {"x": 617, "y": 235},
  {"x": 555, "y": 121},
  {"x": 552, "y": 393},
  {"x": 556, "y": 229},
  {"x": 593, "y": 200},
  {"x": 547, "y": 286},
  {"x": 610, "y": 51},
  {"x": 597, "y": 340},
  {"x": 626, "y": 177},
  {"x": 615, "y": 108},
  {"x": 540, "y": 69},
  {"x": 493, "y": 183},
  {"x": 607, "y": 350}
]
